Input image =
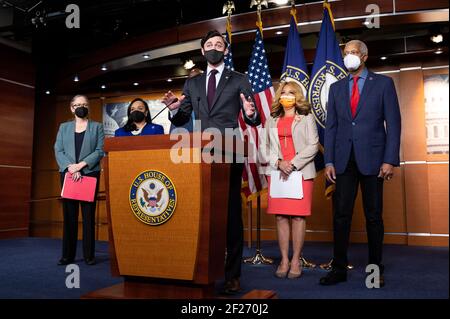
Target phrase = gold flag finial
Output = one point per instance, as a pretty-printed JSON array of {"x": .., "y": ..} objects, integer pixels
[
  {"x": 259, "y": 4},
  {"x": 228, "y": 8},
  {"x": 327, "y": 6},
  {"x": 294, "y": 11}
]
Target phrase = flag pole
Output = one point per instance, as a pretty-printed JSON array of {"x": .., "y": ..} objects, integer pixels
[
  {"x": 329, "y": 265},
  {"x": 259, "y": 257},
  {"x": 228, "y": 9}
]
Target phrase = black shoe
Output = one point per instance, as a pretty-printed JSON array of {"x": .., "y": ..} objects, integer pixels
[
  {"x": 65, "y": 261},
  {"x": 333, "y": 277},
  {"x": 232, "y": 287},
  {"x": 90, "y": 261}
]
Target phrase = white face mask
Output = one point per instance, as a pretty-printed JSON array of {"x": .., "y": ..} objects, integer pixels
[{"x": 352, "y": 62}]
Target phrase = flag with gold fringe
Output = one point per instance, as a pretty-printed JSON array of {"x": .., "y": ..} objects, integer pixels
[
  {"x": 294, "y": 66},
  {"x": 328, "y": 68}
]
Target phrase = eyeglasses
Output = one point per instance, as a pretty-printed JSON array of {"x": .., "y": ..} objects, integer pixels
[{"x": 80, "y": 105}]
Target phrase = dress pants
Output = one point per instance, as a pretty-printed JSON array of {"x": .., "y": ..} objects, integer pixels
[
  {"x": 70, "y": 228},
  {"x": 344, "y": 199},
  {"x": 235, "y": 227}
]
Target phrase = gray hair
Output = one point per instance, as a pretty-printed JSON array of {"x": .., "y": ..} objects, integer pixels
[
  {"x": 77, "y": 96},
  {"x": 362, "y": 46}
]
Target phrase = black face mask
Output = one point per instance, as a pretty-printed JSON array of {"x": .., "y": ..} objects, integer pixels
[
  {"x": 81, "y": 112},
  {"x": 137, "y": 116},
  {"x": 213, "y": 56}
]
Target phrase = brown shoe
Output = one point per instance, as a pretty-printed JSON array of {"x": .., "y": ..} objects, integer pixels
[
  {"x": 293, "y": 275},
  {"x": 232, "y": 287},
  {"x": 281, "y": 274}
]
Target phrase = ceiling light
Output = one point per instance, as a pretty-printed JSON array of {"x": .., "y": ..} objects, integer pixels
[
  {"x": 104, "y": 68},
  {"x": 169, "y": 80},
  {"x": 189, "y": 64},
  {"x": 103, "y": 86},
  {"x": 146, "y": 56},
  {"x": 76, "y": 78},
  {"x": 47, "y": 92},
  {"x": 135, "y": 83},
  {"x": 383, "y": 58},
  {"x": 279, "y": 32},
  {"x": 437, "y": 38},
  {"x": 438, "y": 51}
]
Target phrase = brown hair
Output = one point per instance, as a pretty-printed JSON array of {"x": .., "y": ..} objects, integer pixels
[
  {"x": 302, "y": 106},
  {"x": 212, "y": 34}
]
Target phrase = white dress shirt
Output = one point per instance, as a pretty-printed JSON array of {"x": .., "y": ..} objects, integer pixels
[{"x": 219, "y": 69}]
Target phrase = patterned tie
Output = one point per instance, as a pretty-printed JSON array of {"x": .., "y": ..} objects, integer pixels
[
  {"x": 355, "y": 96},
  {"x": 211, "y": 87}
]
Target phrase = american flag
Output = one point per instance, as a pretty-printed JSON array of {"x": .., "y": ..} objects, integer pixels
[
  {"x": 260, "y": 79},
  {"x": 263, "y": 92}
]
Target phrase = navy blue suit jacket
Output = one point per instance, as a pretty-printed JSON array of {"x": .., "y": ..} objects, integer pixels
[
  {"x": 149, "y": 129},
  {"x": 374, "y": 132}
]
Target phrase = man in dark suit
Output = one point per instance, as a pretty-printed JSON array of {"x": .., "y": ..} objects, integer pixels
[
  {"x": 362, "y": 144},
  {"x": 216, "y": 97}
]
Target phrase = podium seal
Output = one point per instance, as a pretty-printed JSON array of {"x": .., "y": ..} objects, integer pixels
[{"x": 153, "y": 197}]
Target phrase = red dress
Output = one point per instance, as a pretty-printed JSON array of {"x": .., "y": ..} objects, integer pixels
[{"x": 290, "y": 206}]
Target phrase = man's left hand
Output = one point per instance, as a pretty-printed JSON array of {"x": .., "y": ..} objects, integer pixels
[
  {"x": 249, "y": 107},
  {"x": 386, "y": 171}
]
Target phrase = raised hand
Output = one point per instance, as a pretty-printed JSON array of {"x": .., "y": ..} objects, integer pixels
[
  {"x": 249, "y": 107},
  {"x": 172, "y": 101}
]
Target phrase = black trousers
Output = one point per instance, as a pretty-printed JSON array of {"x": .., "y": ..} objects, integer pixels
[
  {"x": 70, "y": 225},
  {"x": 235, "y": 227},
  {"x": 344, "y": 200}
]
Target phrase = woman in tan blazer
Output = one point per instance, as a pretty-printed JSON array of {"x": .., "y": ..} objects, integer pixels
[{"x": 291, "y": 143}]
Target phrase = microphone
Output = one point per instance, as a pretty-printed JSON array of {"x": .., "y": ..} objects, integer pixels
[{"x": 174, "y": 101}]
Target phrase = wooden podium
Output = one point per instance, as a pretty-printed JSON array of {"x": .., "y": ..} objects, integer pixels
[{"x": 183, "y": 256}]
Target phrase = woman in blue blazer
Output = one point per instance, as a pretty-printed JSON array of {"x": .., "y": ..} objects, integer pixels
[
  {"x": 139, "y": 121},
  {"x": 78, "y": 150}
]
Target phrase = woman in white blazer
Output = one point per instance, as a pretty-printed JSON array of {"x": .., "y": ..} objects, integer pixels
[{"x": 291, "y": 143}]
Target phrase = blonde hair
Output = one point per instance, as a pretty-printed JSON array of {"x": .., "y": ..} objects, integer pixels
[{"x": 302, "y": 106}]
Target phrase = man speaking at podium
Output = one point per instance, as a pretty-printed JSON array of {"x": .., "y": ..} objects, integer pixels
[{"x": 216, "y": 97}]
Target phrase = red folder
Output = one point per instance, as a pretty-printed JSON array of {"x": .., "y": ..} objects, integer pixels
[{"x": 83, "y": 189}]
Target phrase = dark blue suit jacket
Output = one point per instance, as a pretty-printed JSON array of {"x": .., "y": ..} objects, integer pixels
[
  {"x": 149, "y": 129},
  {"x": 374, "y": 132}
]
